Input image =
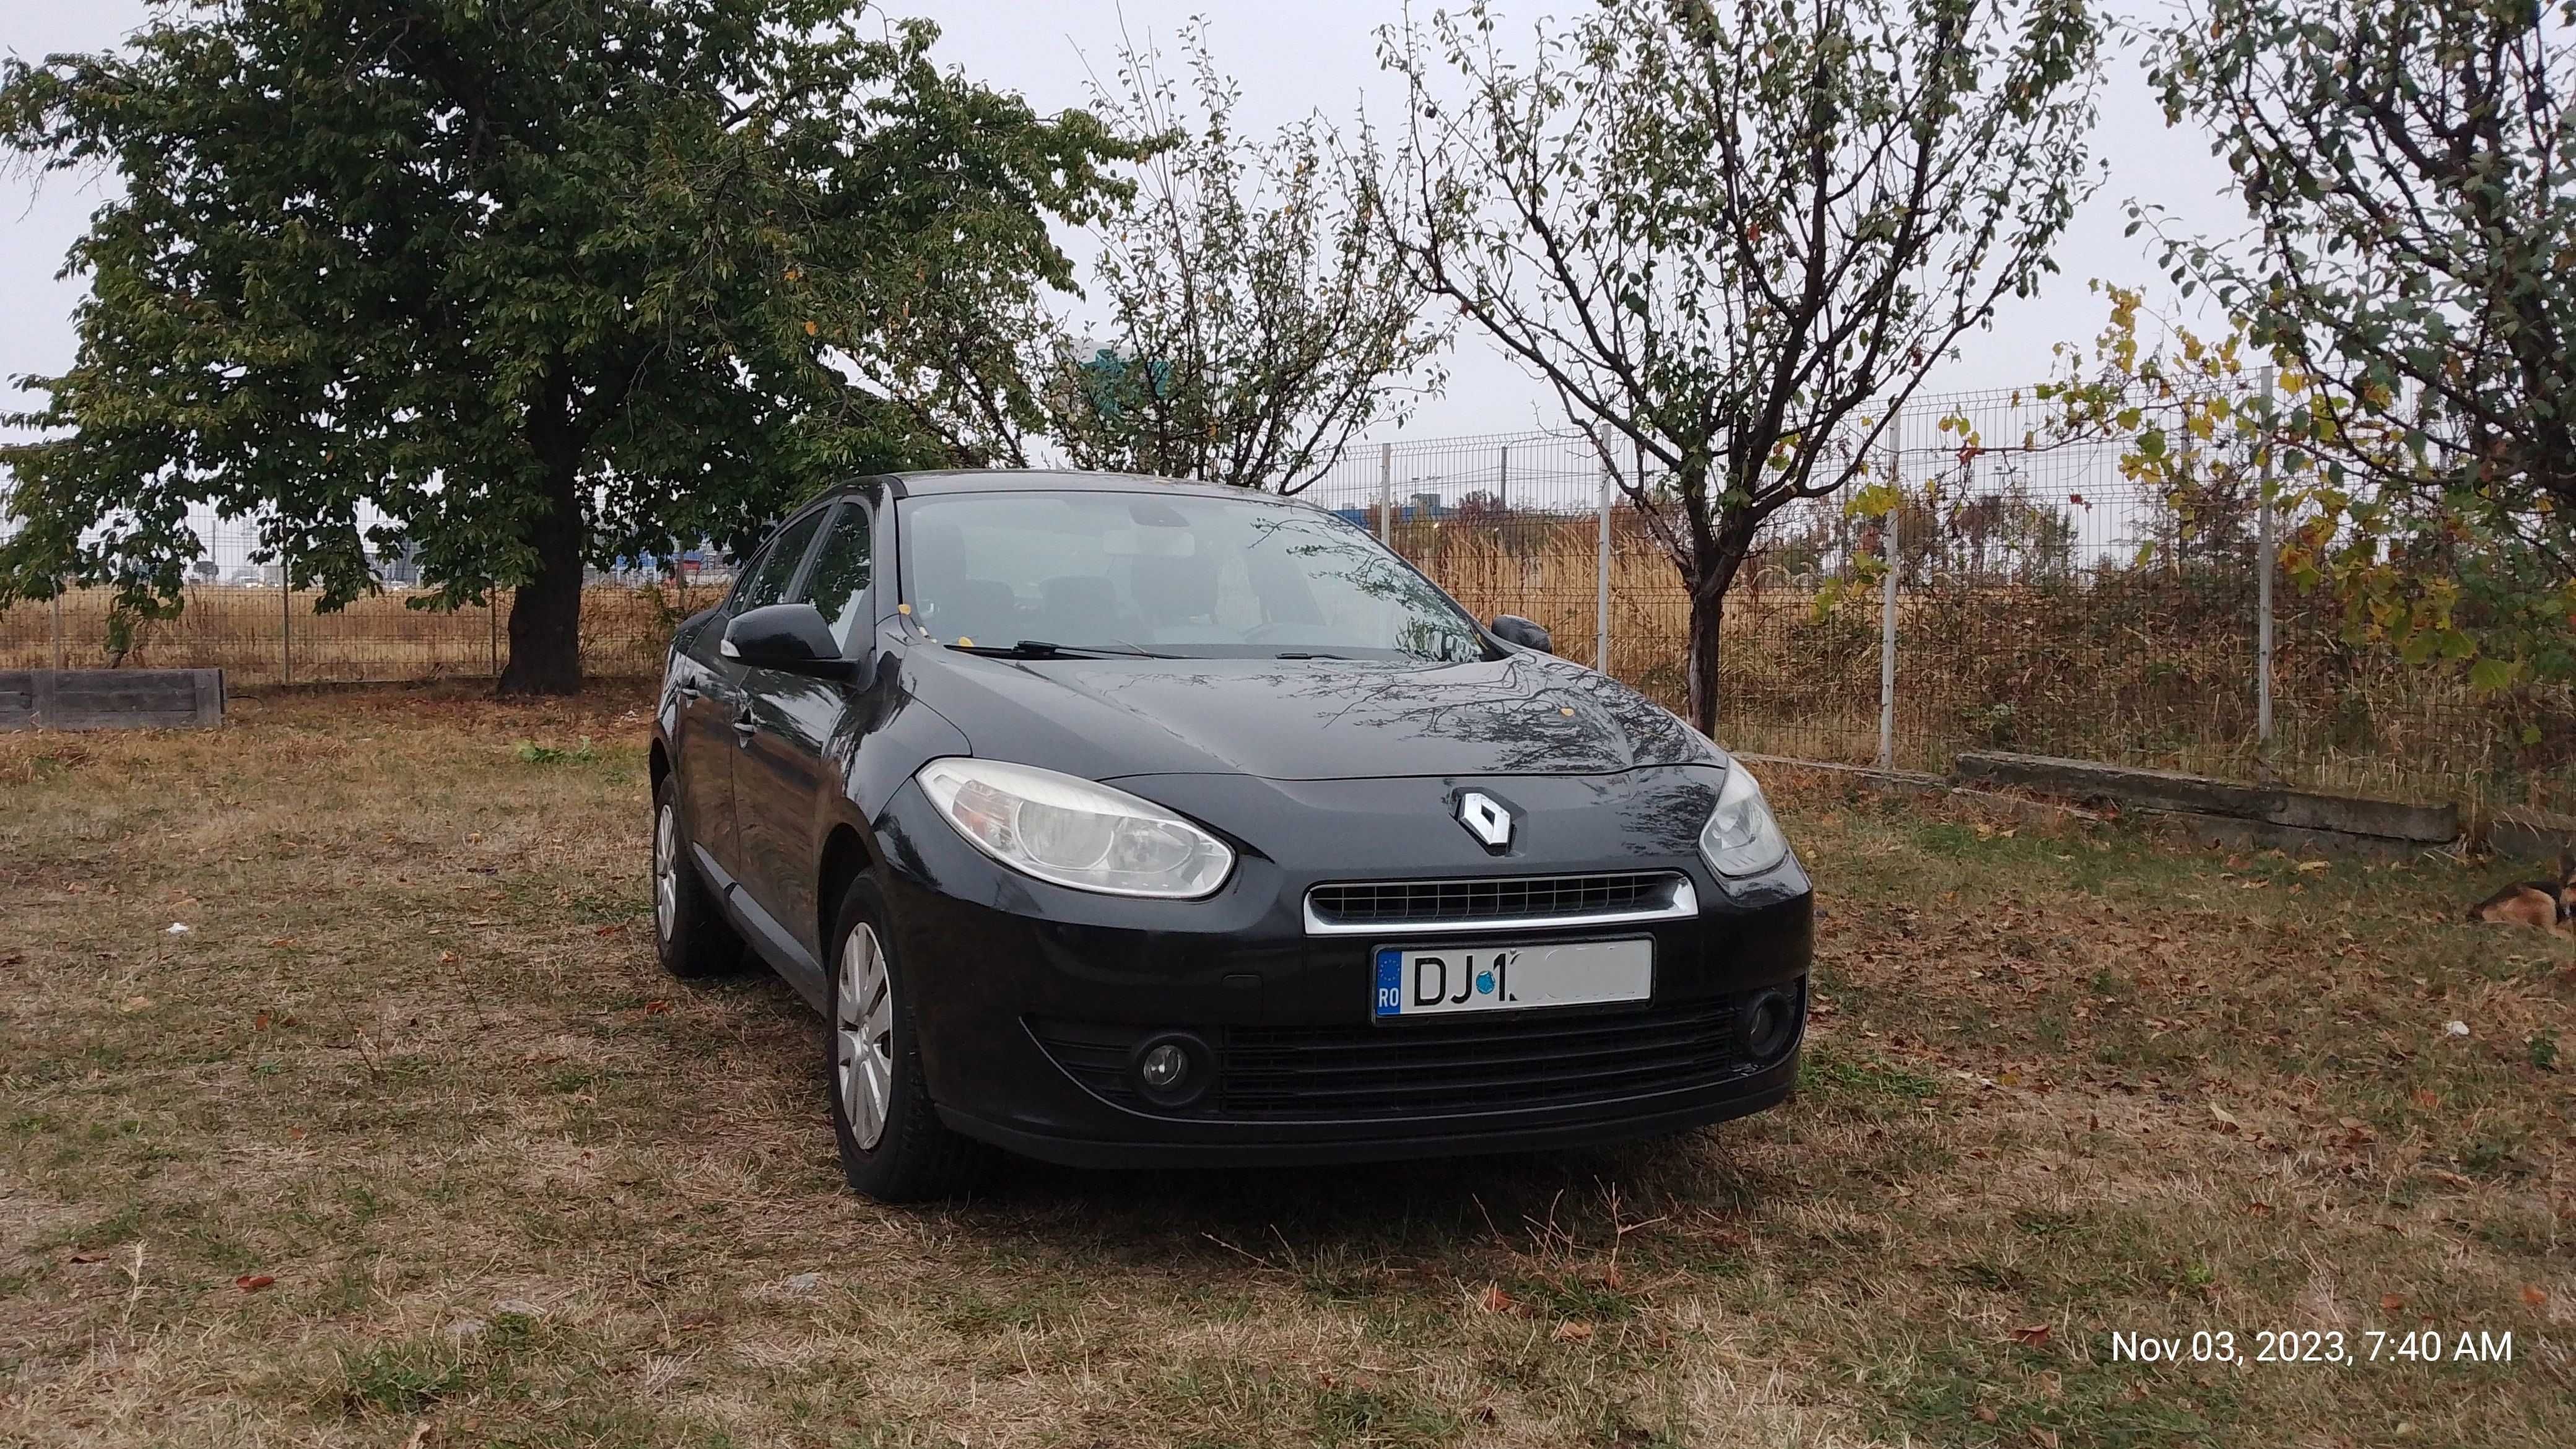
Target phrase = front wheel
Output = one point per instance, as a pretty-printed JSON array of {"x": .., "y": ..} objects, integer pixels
[{"x": 893, "y": 1146}]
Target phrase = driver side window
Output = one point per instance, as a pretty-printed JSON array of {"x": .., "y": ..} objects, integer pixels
[
  {"x": 775, "y": 569},
  {"x": 838, "y": 582}
]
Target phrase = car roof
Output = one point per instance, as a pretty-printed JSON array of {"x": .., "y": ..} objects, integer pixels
[{"x": 940, "y": 481}]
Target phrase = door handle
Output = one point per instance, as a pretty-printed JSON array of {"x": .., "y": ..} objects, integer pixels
[
  {"x": 688, "y": 690},
  {"x": 743, "y": 726}
]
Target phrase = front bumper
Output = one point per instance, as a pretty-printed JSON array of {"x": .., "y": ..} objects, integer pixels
[{"x": 1034, "y": 1003}]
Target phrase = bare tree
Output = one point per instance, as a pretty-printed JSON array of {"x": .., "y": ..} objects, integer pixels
[
  {"x": 1252, "y": 317},
  {"x": 1735, "y": 237}
]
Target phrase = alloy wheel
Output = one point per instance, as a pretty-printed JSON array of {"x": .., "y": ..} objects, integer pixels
[
  {"x": 666, "y": 871},
  {"x": 863, "y": 1033}
]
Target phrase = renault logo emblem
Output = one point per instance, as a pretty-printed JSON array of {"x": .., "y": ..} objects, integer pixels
[{"x": 1485, "y": 819}]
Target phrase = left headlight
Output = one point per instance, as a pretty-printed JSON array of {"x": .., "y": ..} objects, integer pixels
[
  {"x": 1075, "y": 832},
  {"x": 1741, "y": 838}
]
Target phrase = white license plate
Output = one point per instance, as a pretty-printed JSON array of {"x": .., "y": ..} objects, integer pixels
[{"x": 1446, "y": 980}]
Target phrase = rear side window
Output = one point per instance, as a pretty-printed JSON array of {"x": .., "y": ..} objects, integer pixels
[
  {"x": 768, "y": 580},
  {"x": 838, "y": 583}
]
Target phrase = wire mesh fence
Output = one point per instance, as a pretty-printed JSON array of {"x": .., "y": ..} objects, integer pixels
[
  {"x": 2046, "y": 600},
  {"x": 237, "y": 613}
]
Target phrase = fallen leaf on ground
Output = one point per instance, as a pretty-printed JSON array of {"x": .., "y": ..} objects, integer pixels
[
  {"x": 253, "y": 1282},
  {"x": 656, "y": 1008},
  {"x": 1572, "y": 1331},
  {"x": 1494, "y": 1299},
  {"x": 2532, "y": 1293},
  {"x": 2031, "y": 1335},
  {"x": 2391, "y": 1302}
]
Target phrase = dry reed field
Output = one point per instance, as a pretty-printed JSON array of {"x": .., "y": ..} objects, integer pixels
[
  {"x": 250, "y": 634},
  {"x": 2140, "y": 666},
  {"x": 403, "y": 1141}
]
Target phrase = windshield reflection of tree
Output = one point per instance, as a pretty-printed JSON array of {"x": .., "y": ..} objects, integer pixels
[
  {"x": 1568, "y": 722},
  {"x": 1333, "y": 552}
]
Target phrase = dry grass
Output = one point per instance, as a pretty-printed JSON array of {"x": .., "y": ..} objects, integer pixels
[{"x": 413, "y": 1062}]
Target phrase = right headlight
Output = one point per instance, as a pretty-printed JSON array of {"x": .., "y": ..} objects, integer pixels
[
  {"x": 1741, "y": 838},
  {"x": 1075, "y": 832}
]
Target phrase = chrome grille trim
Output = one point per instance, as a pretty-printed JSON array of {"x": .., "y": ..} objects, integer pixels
[{"x": 1497, "y": 903}]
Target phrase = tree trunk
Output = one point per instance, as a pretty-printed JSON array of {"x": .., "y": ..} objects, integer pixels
[
  {"x": 1706, "y": 645},
  {"x": 1707, "y": 617},
  {"x": 545, "y": 613}
]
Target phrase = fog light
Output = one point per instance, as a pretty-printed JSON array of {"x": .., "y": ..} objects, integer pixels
[
  {"x": 1172, "y": 1068},
  {"x": 1770, "y": 1024},
  {"x": 1165, "y": 1067}
]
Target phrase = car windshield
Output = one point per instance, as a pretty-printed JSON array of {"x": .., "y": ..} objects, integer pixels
[{"x": 1179, "y": 574}]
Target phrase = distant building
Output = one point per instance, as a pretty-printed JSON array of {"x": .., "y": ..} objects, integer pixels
[
  {"x": 1422, "y": 508},
  {"x": 398, "y": 565}
]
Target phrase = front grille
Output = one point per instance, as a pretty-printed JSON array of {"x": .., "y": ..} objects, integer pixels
[
  {"x": 1355, "y": 907},
  {"x": 1427, "y": 1068}
]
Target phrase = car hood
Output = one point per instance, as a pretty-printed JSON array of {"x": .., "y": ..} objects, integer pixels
[{"x": 1524, "y": 714}]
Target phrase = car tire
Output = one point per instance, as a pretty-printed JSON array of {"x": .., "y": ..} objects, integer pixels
[
  {"x": 690, "y": 933},
  {"x": 893, "y": 1146}
]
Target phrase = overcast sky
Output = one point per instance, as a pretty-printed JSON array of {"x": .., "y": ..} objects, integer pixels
[{"x": 1290, "y": 58}]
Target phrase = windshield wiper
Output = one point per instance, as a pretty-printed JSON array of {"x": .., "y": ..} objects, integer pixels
[
  {"x": 1306, "y": 654},
  {"x": 1041, "y": 649}
]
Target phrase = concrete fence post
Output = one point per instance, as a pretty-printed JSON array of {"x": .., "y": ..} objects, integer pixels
[
  {"x": 1386, "y": 493},
  {"x": 1503, "y": 481},
  {"x": 492, "y": 617},
  {"x": 1601, "y": 574},
  {"x": 285, "y": 618},
  {"x": 2265, "y": 564},
  {"x": 1887, "y": 543},
  {"x": 58, "y": 623}
]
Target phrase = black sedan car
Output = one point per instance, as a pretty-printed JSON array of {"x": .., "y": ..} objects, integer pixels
[{"x": 1115, "y": 820}]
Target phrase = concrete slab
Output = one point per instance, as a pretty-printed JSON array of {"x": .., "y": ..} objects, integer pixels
[
  {"x": 99, "y": 699},
  {"x": 2173, "y": 792},
  {"x": 2526, "y": 834}
]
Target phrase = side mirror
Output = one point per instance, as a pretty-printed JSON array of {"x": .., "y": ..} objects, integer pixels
[
  {"x": 1513, "y": 629},
  {"x": 790, "y": 638}
]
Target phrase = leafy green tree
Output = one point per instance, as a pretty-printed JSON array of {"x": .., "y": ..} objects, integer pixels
[
  {"x": 2410, "y": 167},
  {"x": 1734, "y": 235},
  {"x": 541, "y": 280},
  {"x": 1251, "y": 319}
]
